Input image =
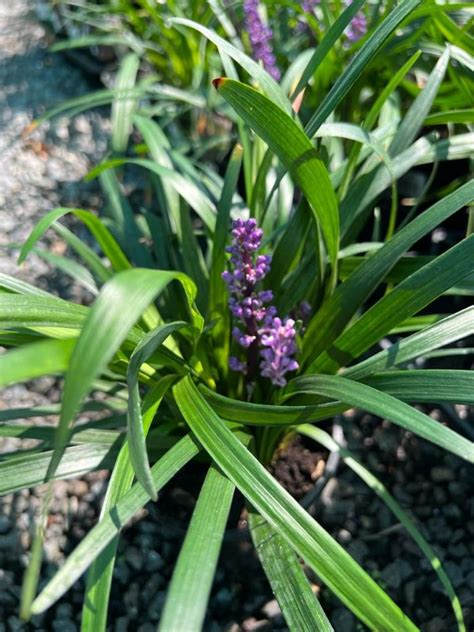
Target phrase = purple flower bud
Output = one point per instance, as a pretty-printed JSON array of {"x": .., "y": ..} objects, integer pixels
[
  {"x": 236, "y": 365},
  {"x": 244, "y": 340},
  {"x": 265, "y": 296},
  {"x": 308, "y": 6},
  {"x": 358, "y": 26}
]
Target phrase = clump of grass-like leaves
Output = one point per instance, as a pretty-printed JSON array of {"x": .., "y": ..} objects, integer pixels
[{"x": 157, "y": 339}]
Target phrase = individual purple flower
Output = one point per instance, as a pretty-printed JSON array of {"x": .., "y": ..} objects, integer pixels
[
  {"x": 278, "y": 340},
  {"x": 260, "y": 331},
  {"x": 236, "y": 365},
  {"x": 301, "y": 315},
  {"x": 244, "y": 340},
  {"x": 358, "y": 26},
  {"x": 260, "y": 37},
  {"x": 308, "y": 7}
]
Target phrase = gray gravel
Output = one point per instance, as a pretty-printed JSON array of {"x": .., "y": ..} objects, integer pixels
[
  {"x": 43, "y": 170},
  {"x": 38, "y": 172}
]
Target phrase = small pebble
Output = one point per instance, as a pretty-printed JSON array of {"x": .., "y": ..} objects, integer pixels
[
  {"x": 146, "y": 627},
  {"x": 78, "y": 488},
  {"x": 441, "y": 474},
  {"x": 134, "y": 558},
  {"x": 5, "y": 525},
  {"x": 251, "y": 624},
  {"x": 15, "y": 624},
  {"x": 467, "y": 564},
  {"x": 359, "y": 550},
  {"x": 396, "y": 573},
  {"x": 452, "y": 512},
  {"x": 154, "y": 561},
  {"x": 402, "y": 495},
  {"x": 271, "y": 609},
  {"x": 122, "y": 624},
  {"x": 458, "y": 550},
  {"x": 344, "y": 536},
  {"x": 439, "y": 495},
  {"x": 64, "y": 625},
  {"x": 457, "y": 490},
  {"x": 223, "y": 599},
  {"x": 454, "y": 573},
  {"x": 410, "y": 591},
  {"x": 470, "y": 580},
  {"x": 343, "y": 620},
  {"x": 435, "y": 625},
  {"x": 156, "y": 606}
]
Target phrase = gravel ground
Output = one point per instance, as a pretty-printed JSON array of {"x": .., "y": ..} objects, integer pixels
[
  {"x": 43, "y": 170},
  {"x": 432, "y": 486}
]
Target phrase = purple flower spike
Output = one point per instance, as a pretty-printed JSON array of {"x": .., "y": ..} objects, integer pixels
[
  {"x": 260, "y": 330},
  {"x": 260, "y": 37},
  {"x": 248, "y": 269},
  {"x": 278, "y": 338}
]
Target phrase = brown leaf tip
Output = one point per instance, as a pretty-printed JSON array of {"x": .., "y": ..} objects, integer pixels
[{"x": 217, "y": 82}]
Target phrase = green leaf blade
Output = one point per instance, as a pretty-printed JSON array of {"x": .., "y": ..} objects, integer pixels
[
  {"x": 337, "y": 311},
  {"x": 191, "y": 583},
  {"x": 123, "y": 108},
  {"x": 426, "y": 385},
  {"x": 352, "y": 585},
  {"x": 377, "y": 486},
  {"x": 290, "y": 585},
  {"x": 255, "y": 70},
  {"x": 105, "y": 329},
  {"x": 358, "y": 64},
  {"x": 446, "y": 331},
  {"x": 383, "y": 405},
  {"x": 100, "y": 574},
  {"x": 406, "y": 299},
  {"x": 287, "y": 140},
  {"x": 99, "y": 537},
  {"x": 136, "y": 432}
]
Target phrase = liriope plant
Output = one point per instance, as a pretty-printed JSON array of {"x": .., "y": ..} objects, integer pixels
[{"x": 255, "y": 315}]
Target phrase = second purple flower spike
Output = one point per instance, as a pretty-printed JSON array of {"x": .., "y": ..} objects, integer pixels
[{"x": 260, "y": 36}]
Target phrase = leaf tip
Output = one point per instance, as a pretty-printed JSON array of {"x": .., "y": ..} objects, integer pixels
[
  {"x": 29, "y": 129},
  {"x": 217, "y": 82}
]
